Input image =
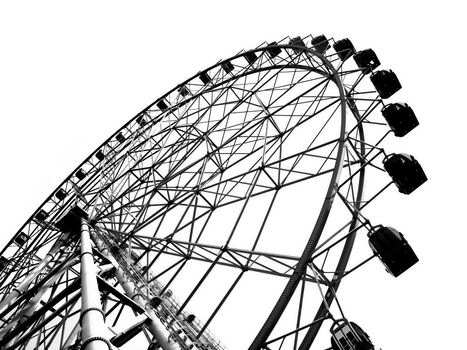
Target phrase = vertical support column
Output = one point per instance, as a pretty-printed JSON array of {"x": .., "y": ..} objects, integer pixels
[
  {"x": 92, "y": 316},
  {"x": 161, "y": 334}
]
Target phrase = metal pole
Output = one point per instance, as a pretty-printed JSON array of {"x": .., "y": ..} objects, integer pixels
[
  {"x": 92, "y": 316},
  {"x": 140, "y": 319}
]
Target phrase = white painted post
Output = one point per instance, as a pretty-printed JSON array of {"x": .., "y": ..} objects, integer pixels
[{"x": 92, "y": 316}]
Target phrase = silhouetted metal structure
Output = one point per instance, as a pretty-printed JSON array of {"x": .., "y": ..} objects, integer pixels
[{"x": 231, "y": 174}]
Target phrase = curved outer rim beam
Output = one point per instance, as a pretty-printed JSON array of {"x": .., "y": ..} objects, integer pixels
[
  {"x": 344, "y": 259},
  {"x": 301, "y": 267}
]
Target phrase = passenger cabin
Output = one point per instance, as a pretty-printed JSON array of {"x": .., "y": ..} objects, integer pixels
[
  {"x": 320, "y": 44},
  {"x": 273, "y": 51},
  {"x": 21, "y": 239},
  {"x": 80, "y": 174},
  {"x": 227, "y": 66},
  {"x": 400, "y": 118},
  {"x": 205, "y": 78},
  {"x": 61, "y": 194},
  {"x": 297, "y": 41},
  {"x": 366, "y": 60},
  {"x": 385, "y": 83},
  {"x": 250, "y": 57},
  {"x": 141, "y": 121},
  {"x": 344, "y": 48},
  {"x": 347, "y": 335},
  {"x": 183, "y": 91},
  {"x": 41, "y": 215},
  {"x": 120, "y": 138},
  {"x": 3, "y": 262},
  {"x": 100, "y": 155},
  {"x": 405, "y": 171},
  {"x": 392, "y": 249},
  {"x": 162, "y": 105}
]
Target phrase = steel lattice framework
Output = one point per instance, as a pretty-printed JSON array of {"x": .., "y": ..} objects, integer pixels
[{"x": 210, "y": 210}]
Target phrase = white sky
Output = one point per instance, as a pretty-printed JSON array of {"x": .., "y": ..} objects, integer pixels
[{"x": 72, "y": 73}]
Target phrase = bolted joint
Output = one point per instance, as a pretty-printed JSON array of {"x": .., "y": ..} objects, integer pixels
[
  {"x": 90, "y": 340},
  {"x": 91, "y": 309}
]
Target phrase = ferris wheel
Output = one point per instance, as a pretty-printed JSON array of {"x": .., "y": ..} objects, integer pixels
[{"x": 227, "y": 210}]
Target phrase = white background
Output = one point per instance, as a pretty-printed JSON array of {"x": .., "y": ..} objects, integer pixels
[{"x": 71, "y": 73}]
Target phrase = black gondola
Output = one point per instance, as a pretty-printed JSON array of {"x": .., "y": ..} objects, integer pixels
[
  {"x": 141, "y": 121},
  {"x": 366, "y": 60},
  {"x": 392, "y": 249},
  {"x": 41, "y": 215},
  {"x": 347, "y": 335},
  {"x": 297, "y": 41},
  {"x": 386, "y": 83},
  {"x": 21, "y": 239},
  {"x": 100, "y": 155},
  {"x": 227, "y": 66},
  {"x": 80, "y": 174},
  {"x": 120, "y": 138},
  {"x": 405, "y": 171},
  {"x": 320, "y": 44},
  {"x": 3, "y": 262},
  {"x": 61, "y": 194},
  {"x": 344, "y": 49},
  {"x": 205, "y": 78},
  {"x": 273, "y": 51},
  {"x": 183, "y": 90},
  {"x": 400, "y": 118},
  {"x": 162, "y": 105},
  {"x": 251, "y": 57}
]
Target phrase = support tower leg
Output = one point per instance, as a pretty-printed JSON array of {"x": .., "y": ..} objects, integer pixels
[{"x": 92, "y": 316}]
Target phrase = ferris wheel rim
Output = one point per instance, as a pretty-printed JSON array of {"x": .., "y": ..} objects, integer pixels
[{"x": 320, "y": 222}]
